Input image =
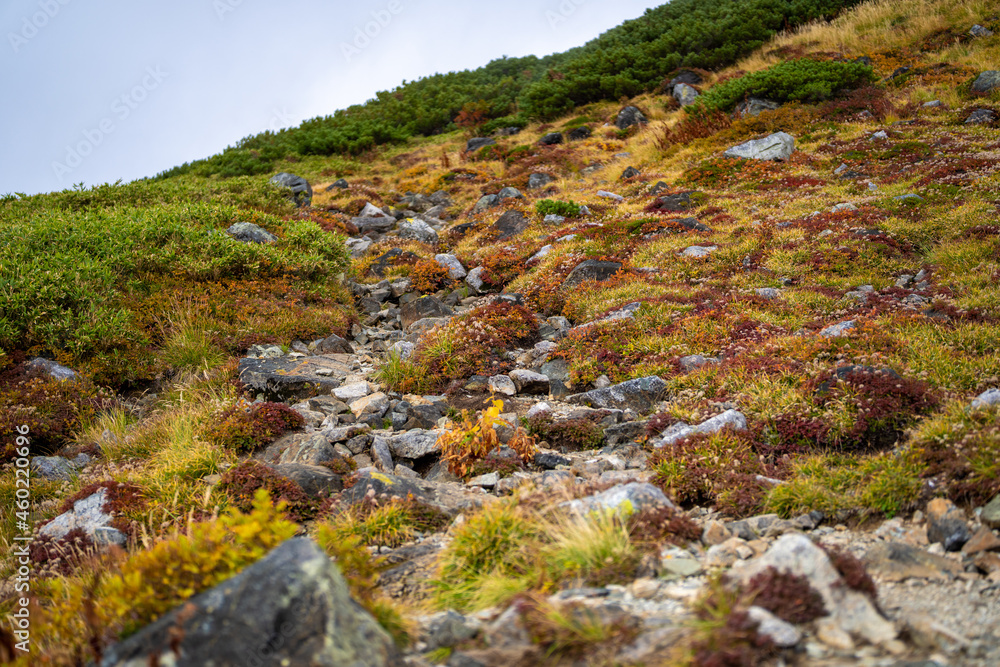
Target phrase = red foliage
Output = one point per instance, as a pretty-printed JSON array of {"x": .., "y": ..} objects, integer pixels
[
  {"x": 788, "y": 596},
  {"x": 241, "y": 482},
  {"x": 242, "y": 429}
]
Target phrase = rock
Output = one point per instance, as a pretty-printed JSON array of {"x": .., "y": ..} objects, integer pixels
[
  {"x": 53, "y": 467},
  {"x": 301, "y": 190},
  {"x": 382, "y": 454},
  {"x": 538, "y": 180},
  {"x": 897, "y": 561},
  {"x": 449, "y": 628},
  {"x": 305, "y": 448},
  {"x": 981, "y": 117},
  {"x": 639, "y": 395},
  {"x": 246, "y": 232},
  {"x": 414, "y": 228},
  {"x": 980, "y": 31},
  {"x": 699, "y": 251},
  {"x": 284, "y": 378},
  {"x": 685, "y": 94},
  {"x": 375, "y": 405},
  {"x": 767, "y": 292},
  {"x": 782, "y": 633},
  {"x": 510, "y": 193},
  {"x": 424, "y": 307},
  {"x": 778, "y": 146},
  {"x": 909, "y": 199},
  {"x": 339, "y": 184},
  {"x": 881, "y": 134},
  {"x": 317, "y": 481},
  {"x": 51, "y": 368},
  {"x": 578, "y": 133},
  {"x": 715, "y": 532},
  {"x": 485, "y": 202},
  {"x": 455, "y": 269},
  {"x": 610, "y": 195},
  {"x": 630, "y": 172},
  {"x": 685, "y": 76},
  {"x": 450, "y": 498},
  {"x": 676, "y": 203},
  {"x": 529, "y": 382},
  {"x": 983, "y": 540},
  {"x": 378, "y": 224},
  {"x": 694, "y": 361},
  {"x": 352, "y": 391},
  {"x": 991, "y": 513},
  {"x": 487, "y": 481},
  {"x": 628, "y": 117},
  {"x": 502, "y": 384},
  {"x": 591, "y": 269},
  {"x": 542, "y": 252},
  {"x": 835, "y": 330},
  {"x": 755, "y": 106},
  {"x": 475, "y": 279},
  {"x": 986, "y": 81},
  {"x": 946, "y": 524},
  {"x": 620, "y": 434},
  {"x": 474, "y": 144},
  {"x": 292, "y": 607},
  {"x": 510, "y": 224},
  {"x": 333, "y": 344},
  {"x": 337, "y": 434},
  {"x": 88, "y": 514},
  {"x": 988, "y": 399},
  {"x": 632, "y": 497},
  {"x": 415, "y": 444},
  {"x": 729, "y": 418},
  {"x": 551, "y": 139},
  {"x": 849, "y": 610},
  {"x": 933, "y": 104},
  {"x": 265, "y": 352}
]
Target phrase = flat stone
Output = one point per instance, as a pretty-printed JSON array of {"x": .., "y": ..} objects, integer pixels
[
  {"x": 835, "y": 330},
  {"x": 53, "y": 467},
  {"x": 286, "y": 378},
  {"x": 729, "y": 419},
  {"x": 487, "y": 481},
  {"x": 502, "y": 384},
  {"x": 782, "y": 633},
  {"x": 305, "y": 448},
  {"x": 455, "y": 269},
  {"x": 529, "y": 382},
  {"x": 89, "y": 516},
  {"x": 986, "y": 81},
  {"x": 778, "y": 146},
  {"x": 422, "y": 308},
  {"x": 316, "y": 481},
  {"x": 415, "y": 444},
  {"x": 632, "y": 497},
  {"x": 897, "y": 561},
  {"x": 51, "y": 368},
  {"x": 699, "y": 251},
  {"x": 591, "y": 269},
  {"x": 639, "y": 395},
  {"x": 987, "y": 399},
  {"x": 983, "y": 540},
  {"x": 418, "y": 230},
  {"x": 375, "y": 405}
]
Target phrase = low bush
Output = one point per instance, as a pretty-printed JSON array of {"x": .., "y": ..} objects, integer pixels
[
  {"x": 567, "y": 209},
  {"x": 245, "y": 428},
  {"x": 242, "y": 484},
  {"x": 566, "y": 434},
  {"x": 466, "y": 444}
]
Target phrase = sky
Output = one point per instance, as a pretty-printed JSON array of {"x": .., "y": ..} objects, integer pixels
[{"x": 118, "y": 89}]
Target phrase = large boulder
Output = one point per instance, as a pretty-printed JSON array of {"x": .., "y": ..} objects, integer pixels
[
  {"x": 986, "y": 81},
  {"x": 292, "y": 607},
  {"x": 510, "y": 224},
  {"x": 539, "y": 180},
  {"x": 640, "y": 395},
  {"x": 302, "y": 192},
  {"x": 628, "y": 117},
  {"x": 247, "y": 232},
  {"x": 685, "y": 94},
  {"x": 778, "y": 146},
  {"x": 591, "y": 269},
  {"x": 284, "y": 378},
  {"x": 424, "y": 307}
]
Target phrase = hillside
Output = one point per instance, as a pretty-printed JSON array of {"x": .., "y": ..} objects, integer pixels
[{"x": 705, "y": 376}]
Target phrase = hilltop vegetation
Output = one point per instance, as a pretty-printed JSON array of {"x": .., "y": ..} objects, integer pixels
[
  {"x": 836, "y": 313},
  {"x": 623, "y": 62}
]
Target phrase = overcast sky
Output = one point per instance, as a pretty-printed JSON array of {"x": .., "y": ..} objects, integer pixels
[{"x": 101, "y": 90}]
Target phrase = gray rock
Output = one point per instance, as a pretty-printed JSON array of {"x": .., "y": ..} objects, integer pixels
[
  {"x": 755, "y": 106},
  {"x": 51, "y": 368},
  {"x": 694, "y": 361},
  {"x": 353, "y": 391},
  {"x": 610, "y": 195},
  {"x": 474, "y": 144},
  {"x": 424, "y": 307},
  {"x": 339, "y": 184},
  {"x": 551, "y": 139},
  {"x": 675, "y": 203},
  {"x": 591, "y": 269},
  {"x": 632, "y": 497},
  {"x": 980, "y": 31},
  {"x": 510, "y": 224},
  {"x": 981, "y": 117},
  {"x": 767, "y": 292},
  {"x": 292, "y": 607},
  {"x": 991, "y": 513},
  {"x": 881, "y": 134},
  {"x": 529, "y": 382},
  {"x": 88, "y": 514},
  {"x": 628, "y": 117},
  {"x": 305, "y": 448},
  {"x": 502, "y": 384},
  {"x": 374, "y": 405},
  {"x": 487, "y": 481},
  {"x": 247, "y": 232},
  {"x": 782, "y": 633},
  {"x": 579, "y": 133},
  {"x": 933, "y": 104},
  {"x": 317, "y": 481},
  {"x": 333, "y": 344},
  {"x": 729, "y": 418},
  {"x": 455, "y": 269},
  {"x": 639, "y": 395},
  {"x": 403, "y": 349},
  {"x": 541, "y": 254},
  {"x": 53, "y": 467},
  {"x": 475, "y": 279},
  {"x": 986, "y": 81},
  {"x": 284, "y": 378},
  {"x": 414, "y": 228},
  {"x": 851, "y": 611},
  {"x": 510, "y": 193},
  {"x": 382, "y": 454},
  {"x": 415, "y": 444},
  {"x": 909, "y": 198},
  {"x": 539, "y": 180},
  {"x": 449, "y": 628},
  {"x": 556, "y": 369},
  {"x": 265, "y": 352},
  {"x": 301, "y": 190},
  {"x": 778, "y": 146},
  {"x": 699, "y": 251},
  {"x": 987, "y": 399},
  {"x": 946, "y": 525},
  {"x": 485, "y": 202},
  {"x": 835, "y": 330},
  {"x": 630, "y": 172},
  {"x": 685, "y": 94},
  {"x": 378, "y": 224}
]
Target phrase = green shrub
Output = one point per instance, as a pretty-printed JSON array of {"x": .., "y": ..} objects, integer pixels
[
  {"x": 567, "y": 209},
  {"x": 800, "y": 80}
]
